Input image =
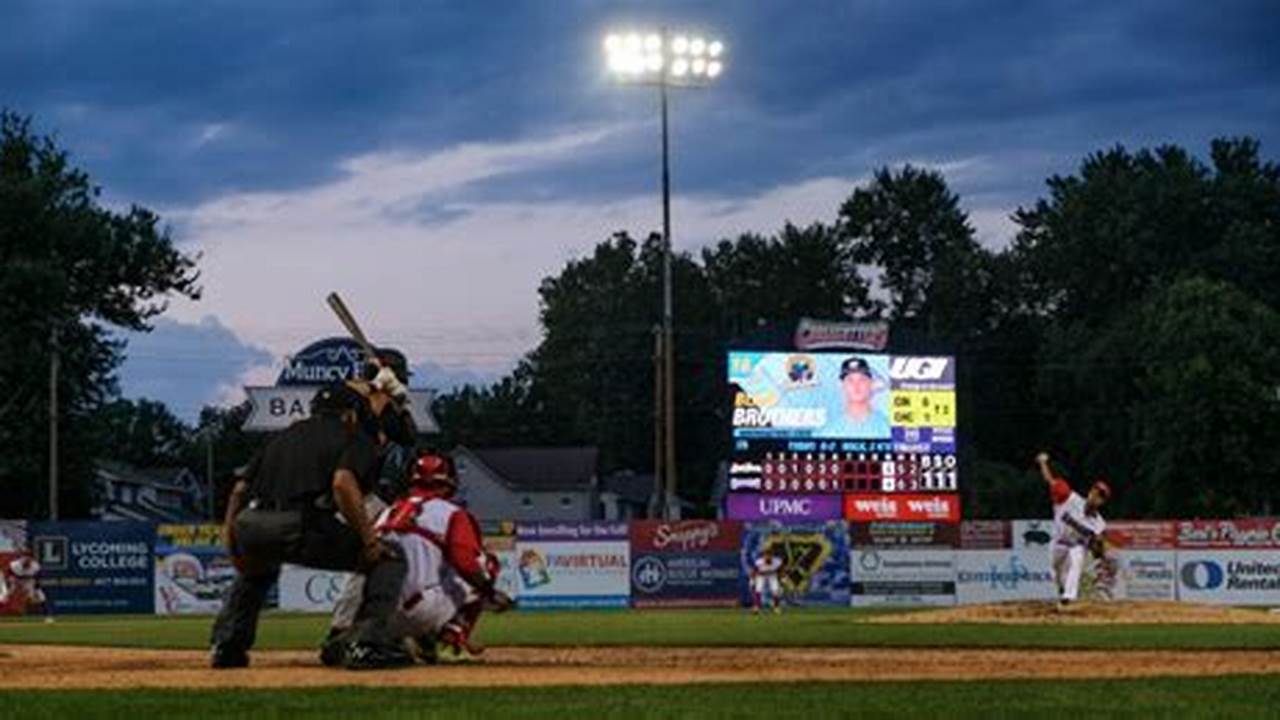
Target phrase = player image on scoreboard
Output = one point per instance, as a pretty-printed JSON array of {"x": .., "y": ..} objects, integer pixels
[{"x": 810, "y": 395}]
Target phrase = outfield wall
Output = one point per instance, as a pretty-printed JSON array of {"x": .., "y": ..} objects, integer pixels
[{"x": 123, "y": 567}]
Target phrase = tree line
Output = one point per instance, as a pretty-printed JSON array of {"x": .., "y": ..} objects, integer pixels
[{"x": 1130, "y": 327}]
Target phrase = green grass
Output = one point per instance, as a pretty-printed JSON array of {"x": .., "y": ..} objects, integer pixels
[
  {"x": 831, "y": 627},
  {"x": 1232, "y": 696}
]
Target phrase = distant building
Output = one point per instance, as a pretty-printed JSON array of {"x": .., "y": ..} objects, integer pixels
[
  {"x": 530, "y": 483},
  {"x": 162, "y": 495},
  {"x": 624, "y": 495}
]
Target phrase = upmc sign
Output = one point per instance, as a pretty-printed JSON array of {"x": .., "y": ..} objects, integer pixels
[
  {"x": 862, "y": 507},
  {"x": 797, "y": 508}
]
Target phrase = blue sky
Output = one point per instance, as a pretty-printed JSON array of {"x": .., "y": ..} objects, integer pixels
[{"x": 433, "y": 161}]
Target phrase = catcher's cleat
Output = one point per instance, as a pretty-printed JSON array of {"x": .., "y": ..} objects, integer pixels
[
  {"x": 367, "y": 656},
  {"x": 455, "y": 647},
  {"x": 422, "y": 648},
  {"x": 333, "y": 651},
  {"x": 222, "y": 657}
]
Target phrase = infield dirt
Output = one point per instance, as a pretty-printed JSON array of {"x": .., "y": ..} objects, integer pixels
[
  {"x": 1108, "y": 613},
  {"x": 44, "y": 666}
]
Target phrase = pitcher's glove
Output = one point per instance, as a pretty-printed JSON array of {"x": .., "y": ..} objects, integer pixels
[{"x": 1098, "y": 546}]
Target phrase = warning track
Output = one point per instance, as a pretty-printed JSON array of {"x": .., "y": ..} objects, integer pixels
[{"x": 45, "y": 666}]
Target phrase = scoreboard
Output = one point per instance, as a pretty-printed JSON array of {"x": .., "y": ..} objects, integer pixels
[{"x": 841, "y": 422}]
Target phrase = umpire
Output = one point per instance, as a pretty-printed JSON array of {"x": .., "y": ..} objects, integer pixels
[{"x": 283, "y": 510}]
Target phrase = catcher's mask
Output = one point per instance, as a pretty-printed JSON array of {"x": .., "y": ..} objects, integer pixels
[{"x": 434, "y": 472}]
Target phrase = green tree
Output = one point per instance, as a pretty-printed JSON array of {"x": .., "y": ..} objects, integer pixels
[
  {"x": 908, "y": 229},
  {"x": 69, "y": 269},
  {"x": 800, "y": 272},
  {"x": 1150, "y": 276},
  {"x": 143, "y": 433}
]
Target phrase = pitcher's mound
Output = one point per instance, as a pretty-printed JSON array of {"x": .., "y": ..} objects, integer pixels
[{"x": 1085, "y": 613}]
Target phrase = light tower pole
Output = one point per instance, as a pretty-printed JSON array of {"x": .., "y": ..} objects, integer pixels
[{"x": 666, "y": 61}]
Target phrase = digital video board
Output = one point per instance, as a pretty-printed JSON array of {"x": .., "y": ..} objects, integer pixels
[{"x": 842, "y": 422}]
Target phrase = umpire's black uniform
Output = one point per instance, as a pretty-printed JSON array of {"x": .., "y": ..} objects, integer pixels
[{"x": 291, "y": 517}]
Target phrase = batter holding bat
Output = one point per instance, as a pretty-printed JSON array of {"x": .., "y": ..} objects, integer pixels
[{"x": 1077, "y": 528}]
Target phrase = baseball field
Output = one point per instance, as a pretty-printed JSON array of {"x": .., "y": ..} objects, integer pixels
[{"x": 1100, "y": 660}]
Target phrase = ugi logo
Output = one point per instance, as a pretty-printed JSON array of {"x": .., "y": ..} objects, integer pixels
[
  {"x": 918, "y": 368},
  {"x": 802, "y": 555}
]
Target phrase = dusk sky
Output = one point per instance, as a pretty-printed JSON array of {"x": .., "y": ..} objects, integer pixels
[{"x": 434, "y": 161}]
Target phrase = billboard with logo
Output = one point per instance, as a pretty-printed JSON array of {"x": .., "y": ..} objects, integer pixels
[
  {"x": 805, "y": 422},
  {"x": 95, "y": 567},
  {"x": 1101, "y": 577},
  {"x": 1229, "y": 577},
  {"x": 865, "y": 507},
  {"x": 987, "y": 576},
  {"x": 985, "y": 534},
  {"x": 1243, "y": 534},
  {"x": 899, "y": 576},
  {"x": 573, "y": 564},
  {"x": 904, "y": 534},
  {"x": 784, "y": 508},
  {"x": 815, "y": 569},
  {"x": 304, "y": 589},
  {"x": 193, "y": 569},
  {"x": 685, "y": 563}
]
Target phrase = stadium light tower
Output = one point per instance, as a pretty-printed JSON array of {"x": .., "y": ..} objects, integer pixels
[{"x": 665, "y": 60}]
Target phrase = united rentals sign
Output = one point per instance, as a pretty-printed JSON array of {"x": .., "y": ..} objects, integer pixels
[{"x": 320, "y": 363}]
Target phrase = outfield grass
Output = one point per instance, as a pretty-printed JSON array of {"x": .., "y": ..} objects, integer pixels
[
  {"x": 675, "y": 628},
  {"x": 1232, "y": 696}
]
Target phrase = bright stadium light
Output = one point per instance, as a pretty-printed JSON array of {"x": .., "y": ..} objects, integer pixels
[
  {"x": 666, "y": 61},
  {"x": 662, "y": 59}
]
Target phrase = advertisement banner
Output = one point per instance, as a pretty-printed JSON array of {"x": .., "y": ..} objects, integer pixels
[
  {"x": 869, "y": 507},
  {"x": 786, "y": 508},
  {"x": 985, "y": 534},
  {"x": 193, "y": 570},
  {"x": 96, "y": 567},
  {"x": 1250, "y": 533},
  {"x": 904, "y": 534},
  {"x": 988, "y": 576},
  {"x": 1147, "y": 575},
  {"x": 1229, "y": 577},
  {"x": 304, "y": 589},
  {"x": 815, "y": 556},
  {"x": 563, "y": 564},
  {"x": 1036, "y": 534},
  {"x": 893, "y": 576},
  {"x": 685, "y": 563},
  {"x": 1141, "y": 534},
  {"x": 13, "y": 545}
]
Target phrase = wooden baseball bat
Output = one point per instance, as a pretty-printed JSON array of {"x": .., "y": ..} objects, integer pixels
[{"x": 353, "y": 328}]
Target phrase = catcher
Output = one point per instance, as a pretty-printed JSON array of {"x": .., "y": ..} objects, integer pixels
[
  {"x": 451, "y": 575},
  {"x": 1077, "y": 526}
]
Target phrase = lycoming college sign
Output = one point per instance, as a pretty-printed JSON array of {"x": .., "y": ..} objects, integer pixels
[{"x": 320, "y": 363}]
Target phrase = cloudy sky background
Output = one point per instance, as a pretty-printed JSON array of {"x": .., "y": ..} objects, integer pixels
[{"x": 434, "y": 161}]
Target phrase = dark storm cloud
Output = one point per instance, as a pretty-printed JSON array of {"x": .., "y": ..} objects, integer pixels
[{"x": 169, "y": 103}]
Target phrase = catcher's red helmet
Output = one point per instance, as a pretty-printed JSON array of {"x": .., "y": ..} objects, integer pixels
[{"x": 434, "y": 471}]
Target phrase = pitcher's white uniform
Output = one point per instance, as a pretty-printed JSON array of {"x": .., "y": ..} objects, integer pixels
[
  {"x": 765, "y": 579},
  {"x": 1073, "y": 528},
  {"x": 442, "y": 544}
]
